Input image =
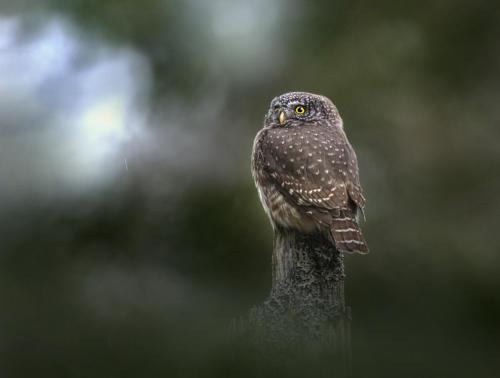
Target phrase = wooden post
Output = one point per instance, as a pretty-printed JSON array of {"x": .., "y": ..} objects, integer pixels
[{"x": 306, "y": 306}]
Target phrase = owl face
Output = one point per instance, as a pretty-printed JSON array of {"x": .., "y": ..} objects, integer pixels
[{"x": 299, "y": 107}]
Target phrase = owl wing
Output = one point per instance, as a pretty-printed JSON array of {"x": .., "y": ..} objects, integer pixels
[{"x": 316, "y": 168}]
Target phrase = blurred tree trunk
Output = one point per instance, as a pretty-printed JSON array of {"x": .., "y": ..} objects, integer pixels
[{"x": 306, "y": 307}]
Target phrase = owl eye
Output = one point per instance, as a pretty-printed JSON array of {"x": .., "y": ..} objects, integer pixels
[{"x": 300, "y": 110}]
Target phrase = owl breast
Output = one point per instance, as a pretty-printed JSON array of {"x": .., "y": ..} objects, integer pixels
[{"x": 281, "y": 212}]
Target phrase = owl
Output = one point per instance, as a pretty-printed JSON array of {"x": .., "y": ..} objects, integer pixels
[{"x": 306, "y": 171}]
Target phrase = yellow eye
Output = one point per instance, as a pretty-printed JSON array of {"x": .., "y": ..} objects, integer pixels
[{"x": 299, "y": 110}]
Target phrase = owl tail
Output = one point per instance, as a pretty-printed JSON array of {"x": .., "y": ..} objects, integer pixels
[{"x": 347, "y": 235}]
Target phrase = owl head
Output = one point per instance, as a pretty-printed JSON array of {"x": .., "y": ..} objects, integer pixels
[{"x": 298, "y": 108}]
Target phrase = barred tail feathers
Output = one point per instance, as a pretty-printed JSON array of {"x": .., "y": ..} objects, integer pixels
[{"x": 347, "y": 235}]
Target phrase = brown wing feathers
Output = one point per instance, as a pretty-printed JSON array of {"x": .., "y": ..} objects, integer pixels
[{"x": 318, "y": 173}]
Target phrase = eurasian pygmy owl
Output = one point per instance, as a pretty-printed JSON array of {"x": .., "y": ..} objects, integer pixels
[{"x": 306, "y": 171}]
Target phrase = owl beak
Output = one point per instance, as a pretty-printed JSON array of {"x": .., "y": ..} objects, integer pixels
[{"x": 282, "y": 118}]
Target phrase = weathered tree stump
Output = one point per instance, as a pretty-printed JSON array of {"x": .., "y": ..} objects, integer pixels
[{"x": 306, "y": 307}]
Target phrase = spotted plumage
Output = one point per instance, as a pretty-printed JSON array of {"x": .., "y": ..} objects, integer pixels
[{"x": 306, "y": 171}]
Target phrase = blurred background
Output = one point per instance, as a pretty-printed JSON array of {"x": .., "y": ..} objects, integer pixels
[{"x": 131, "y": 233}]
